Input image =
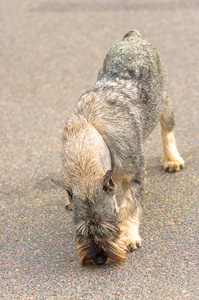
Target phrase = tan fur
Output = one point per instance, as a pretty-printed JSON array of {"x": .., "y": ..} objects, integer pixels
[
  {"x": 91, "y": 168},
  {"x": 114, "y": 250},
  {"x": 129, "y": 225},
  {"x": 171, "y": 158},
  {"x": 130, "y": 236},
  {"x": 129, "y": 220}
]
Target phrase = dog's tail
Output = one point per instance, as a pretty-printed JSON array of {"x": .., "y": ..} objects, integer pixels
[{"x": 131, "y": 34}]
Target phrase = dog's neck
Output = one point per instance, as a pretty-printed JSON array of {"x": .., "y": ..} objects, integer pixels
[{"x": 85, "y": 154}]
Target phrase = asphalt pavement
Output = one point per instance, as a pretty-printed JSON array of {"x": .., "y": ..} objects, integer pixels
[{"x": 50, "y": 53}]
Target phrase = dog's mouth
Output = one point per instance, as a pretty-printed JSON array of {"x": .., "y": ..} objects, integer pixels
[{"x": 89, "y": 252}]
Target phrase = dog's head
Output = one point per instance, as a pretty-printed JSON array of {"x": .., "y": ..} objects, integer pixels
[{"x": 97, "y": 222}]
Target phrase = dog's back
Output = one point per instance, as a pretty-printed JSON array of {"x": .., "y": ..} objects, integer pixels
[
  {"x": 136, "y": 61},
  {"x": 131, "y": 58}
]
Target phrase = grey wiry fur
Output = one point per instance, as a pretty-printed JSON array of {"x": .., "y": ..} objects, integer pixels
[{"x": 103, "y": 143}]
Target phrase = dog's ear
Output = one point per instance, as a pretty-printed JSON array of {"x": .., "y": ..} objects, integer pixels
[
  {"x": 61, "y": 183},
  {"x": 108, "y": 184}
]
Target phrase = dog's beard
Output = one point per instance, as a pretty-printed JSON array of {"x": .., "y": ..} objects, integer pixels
[{"x": 88, "y": 250}]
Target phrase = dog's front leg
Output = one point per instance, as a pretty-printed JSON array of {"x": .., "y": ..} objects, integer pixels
[{"x": 130, "y": 211}]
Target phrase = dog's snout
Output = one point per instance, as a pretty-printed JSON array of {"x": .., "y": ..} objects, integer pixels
[{"x": 100, "y": 259}]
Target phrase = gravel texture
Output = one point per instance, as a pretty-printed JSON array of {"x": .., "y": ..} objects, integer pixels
[{"x": 50, "y": 54}]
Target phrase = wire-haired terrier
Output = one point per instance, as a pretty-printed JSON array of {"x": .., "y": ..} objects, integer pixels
[{"x": 103, "y": 144}]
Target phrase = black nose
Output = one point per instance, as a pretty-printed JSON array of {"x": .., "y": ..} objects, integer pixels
[{"x": 100, "y": 259}]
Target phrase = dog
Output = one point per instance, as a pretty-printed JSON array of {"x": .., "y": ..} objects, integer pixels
[{"x": 103, "y": 145}]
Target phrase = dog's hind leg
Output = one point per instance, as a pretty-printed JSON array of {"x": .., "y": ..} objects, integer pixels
[{"x": 171, "y": 158}]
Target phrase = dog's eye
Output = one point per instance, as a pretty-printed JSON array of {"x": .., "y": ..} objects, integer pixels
[{"x": 105, "y": 188}]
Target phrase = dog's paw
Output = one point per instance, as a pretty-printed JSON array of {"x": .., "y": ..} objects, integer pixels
[
  {"x": 133, "y": 244},
  {"x": 130, "y": 236},
  {"x": 174, "y": 165}
]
